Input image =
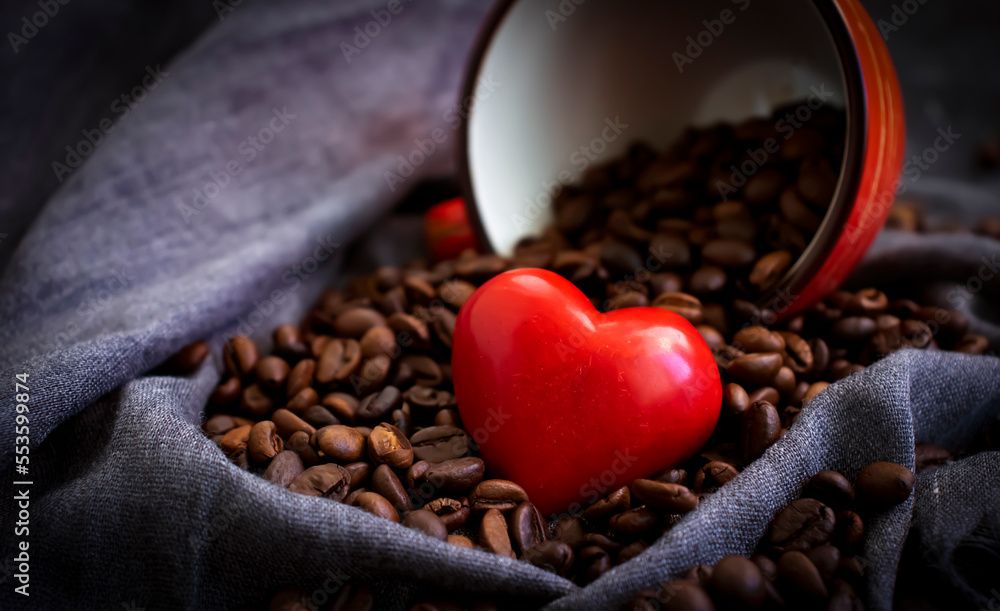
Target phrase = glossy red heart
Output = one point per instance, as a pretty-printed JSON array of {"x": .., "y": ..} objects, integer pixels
[{"x": 571, "y": 403}]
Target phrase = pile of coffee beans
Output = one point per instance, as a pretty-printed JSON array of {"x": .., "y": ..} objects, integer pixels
[
  {"x": 356, "y": 403},
  {"x": 809, "y": 558}
]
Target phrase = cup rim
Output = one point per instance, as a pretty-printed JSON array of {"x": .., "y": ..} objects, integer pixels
[{"x": 823, "y": 242}]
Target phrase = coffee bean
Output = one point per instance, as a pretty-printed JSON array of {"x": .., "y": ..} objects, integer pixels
[
  {"x": 672, "y": 250},
  {"x": 683, "y": 304},
  {"x": 592, "y": 562},
  {"x": 798, "y": 576},
  {"x": 379, "y": 403},
  {"x": 735, "y": 400},
  {"x": 825, "y": 558},
  {"x": 761, "y": 428},
  {"x": 443, "y": 325},
  {"x": 187, "y": 360},
  {"x": 454, "y": 513},
  {"x": 355, "y": 322},
  {"x": 264, "y": 443},
  {"x": 766, "y": 566},
  {"x": 916, "y": 333},
  {"x": 552, "y": 556},
  {"x": 306, "y": 398},
  {"x": 854, "y": 328},
  {"x": 831, "y": 488},
  {"x": 849, "y": 529},
  {"x": 284, "y": 468},
  {"x": 769, "y": 269},
  {"x": 883, "y": 485},
  {"x": 300, "y": 377},
  {"x": 427, "y": 523},
  {"x": 256, "y": 402},
  {"x": 340, "y": 443},
  {"x": 972, "y": 344},
  {"x": 377, "y": 505},
  {"x": 351, "y": 597},
  {"x": 729, "y": 253},
  {"x": 360, "y": 472},
  {"x": 429, "y": 398},
  {"x": 713, "y": 476},
  {"x": 759, "y": 339},
  {"x": 219, "y": 424},
  {"x": 328, "y": 481},
  {"x": 493, "y": 534},
  {"x": 387, "y": 484},
  {"x": 422, "y": 370},
  {"x": 817, "y": 181},
  {"x": 288, "y": 423},
  {"x": 447, "y": 417},
  {"x": 571, "y": 531},
  {"x": 387, "y": 445},
  {"x": 410, "y": 331},
  {"x": 272, "y": 372},
  {"x": 378, "y": 340},
  {"x": 455, "y": 475},
  {"x": 712, "y": 337},
  {"x": 672, "y": 476},
  {"x": 339, "y": 360},
  {"x": 318, "y": 416},
  {"x": 673, "y": 498},
  {"x": 440, "y": 443},
  {"x": 460, "y": 541},
  {"x": 631, "y": 550},
  {"x": 235, "y": 439},
  {"x": 288, "y": 343},
  {"x": 756, "y": 369},
  {"x": 844, "y": 598},
  {"x": 929, "y": 456},
  {"x": 764, "y": 187},
  {"x": 240, "y": 356},
  {"x": 634, "y": 522},
  {"x": 499, "y": 494},
  {"x": 373, "y": 375},
  {"x": 737, "y": 582},
  {"x": 527, "y": 528},
  {"x": 226, "y": 395},
  {"x": 765, "y": 393},
  {"x": 795, "y": 210},
  {"x": 298, "y": 442},
  {"x": 803, "y": 524},
  {"x": 614, "y": 503},
  {"x": 708, "y": 280}
]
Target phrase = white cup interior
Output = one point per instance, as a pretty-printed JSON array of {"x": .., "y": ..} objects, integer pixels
[{"x": 559, "y": 75}]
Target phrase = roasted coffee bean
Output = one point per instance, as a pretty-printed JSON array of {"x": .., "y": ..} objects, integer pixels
[
  {"x": 769, "y": 269},
  {"x": 552, "y": 556},
  {"x": 831, "y": 488},
  {"x": 240, "y": 458},
  {"x": 360, "y": 472},
  {"x": 683, "y": 304},
  {"x": 380, "y": 403},
  {"x": 527, "y": 528},
  {"x": 454, "y": 513},
  {"x": 849, "y": 529},
  {"x": 256, "y": 402},
  {"x": 402, "y": 420},
  {"x": 461, "y": 541},
  {"x": 283, "y": 468},
  {"x": 729, "y": 253},
  {"x": 672, "y": 476},
  {"x": 340, "y": 443},
  {"x": 712, "y": 337},
  {"x": 272, "y": 372},
  {"x": 264, "y": 443},
  {"x": 763, "y": 187},
  {"x": 447, "y": 417},
  {"x": 378, "y": 340},
  {"x": 737, "y": 583},
  {"x": 328, "y": 481},
  {"x": 288, "y": 423},
  {"x": 758, "y": 339},
  {"x": 766, "y": 566},
  {"x": 351, "y": 597},
  {"x": 799, "y": 577},
  {"x": 410, "y": 331},
  {"x": 303, "y": 400},
  {"x": 631, "y": 550},
  {"x": 972, "y": 344},
  {"x": 707, "y": 280},
  {"x": 387, "y": 445},
  {"x": 765, "y": 393},
  {"x": 288, "y": 343},
  {"x": 219, "y": 424},
  {"x": 318, "y": 416},
  {"x": 300, "y": 377},
  {"x": 339, "y": 360},
  {"x": 735, "y": 399},
  {"x": 614, "y": 503},
  {"x": 440, "y": 443},
  {"x": 298, "y": 442},
  {"x": 665, "y": 282},
  {"x": 713, "y": 476},
  {"x": 429, "y": 398},
  {"x": 802, "y": 525},
  {"x": 915, "y": 333},
  {"x": 929, "y": 456},
  {"x": 187, "y": 360},
  {"x": 844, "y": 598},
  {"x": 235, "y": 439},
  {"x": 377, "y": 505},
  {"x": 240, "y": 356},
  {"x": 423, "y": 370},
  {"x": 571, "y": 531},
  {"x": 761, "y": 428},
  {"x": 455, "y": 475},
  {"x": 443, "y": 325},
  {"x": 855, "y": 328},
  {"x": 634, "y": 522},
  {"x": 386, "y": 483},
  {"x": 883, "y": 485},
  {"x": 825, "y": 558},
  {"x": 493, "y": 534},
  {"x": 798, "y": 354},
  {"x": 673, "y": 498},
  {"x": 817, "y": 181},
  {"x": 591, "y": 563},
  {"x": 343, "y": 406},
  {"x": 814, "y": 390},
  {"x": 373, "y": 375},
  {"x": 226, "y": 395},
  {"x": 499, "y": 494},
  {"x": 355, "y": 322},
  {"x": 427, "y": 523},
  {"x": 756, "y": 369},
  {"x": 795, "y": 210}
]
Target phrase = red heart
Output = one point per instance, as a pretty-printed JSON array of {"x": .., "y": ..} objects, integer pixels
[{"x": 570, "y": 403}]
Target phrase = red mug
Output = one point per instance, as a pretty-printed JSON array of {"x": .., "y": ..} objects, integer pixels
[{"x": 546, "y": 78}]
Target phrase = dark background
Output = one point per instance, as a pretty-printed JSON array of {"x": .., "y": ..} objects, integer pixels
[{"x": 65, "y": 77}]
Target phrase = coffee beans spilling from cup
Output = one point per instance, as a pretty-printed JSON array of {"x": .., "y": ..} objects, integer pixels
[{"x": 355, "y": 403}]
